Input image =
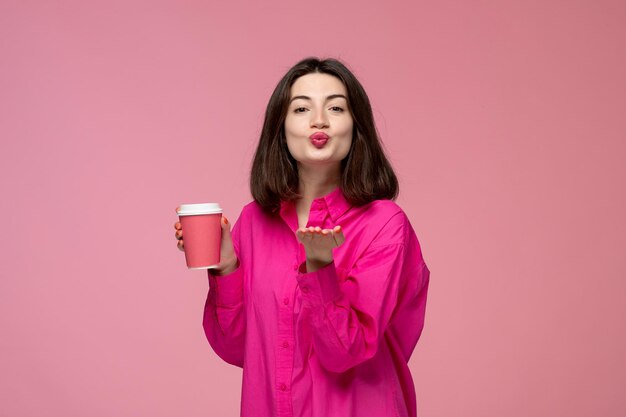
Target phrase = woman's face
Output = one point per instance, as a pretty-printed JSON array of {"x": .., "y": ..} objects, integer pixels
[{"x": 318, "y": 126}]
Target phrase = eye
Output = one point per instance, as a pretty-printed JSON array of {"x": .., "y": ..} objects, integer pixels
[
  {"x": 299, "y": 109},
  {"x": 336, "y": 109}
]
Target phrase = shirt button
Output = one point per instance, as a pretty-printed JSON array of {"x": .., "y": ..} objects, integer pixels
[
  {"x": 304, "y": 289},
  {"x": 285, "y": 301},
  {"x": 283, "y": 387},
  {"x": 295, "y": 266},
  {"x": 285, "y": 344}
]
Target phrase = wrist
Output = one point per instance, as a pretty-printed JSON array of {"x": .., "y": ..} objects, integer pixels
[
  {"x": 323, "y": 256},
  {"x": 313, "y": 265}
]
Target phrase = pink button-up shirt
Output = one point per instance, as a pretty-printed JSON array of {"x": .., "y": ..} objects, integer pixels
[{"x": 334, "y": 342}]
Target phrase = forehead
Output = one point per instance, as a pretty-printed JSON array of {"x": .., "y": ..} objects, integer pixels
[{"x": 317, "y": 84}]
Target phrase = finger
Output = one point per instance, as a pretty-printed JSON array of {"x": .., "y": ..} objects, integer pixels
[
  {"x": 226, "y": 232},
  {"x": 177, "y": 226},
  {"x": 179, "y": 234},
  {"x": 318, "y": 229},
  {"x": 225, "y": 224},
  {"x": 181, "y": 245}
]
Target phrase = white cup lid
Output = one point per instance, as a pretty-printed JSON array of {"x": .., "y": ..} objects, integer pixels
[{"x": 196, "y": 209}]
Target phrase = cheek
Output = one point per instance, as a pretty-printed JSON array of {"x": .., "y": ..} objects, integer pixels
[
  {"x": 288, "y": 125},
  {"x": 293, "y": 145},
  {"x": 290, "y": 132},
  {"x": 292, "y": 128},
  {"x": 348, "y": 132},
  {"x": 345, "y": 148},
  {"x": 347, "y": 126},
  {"x": 347, "y": 144}
]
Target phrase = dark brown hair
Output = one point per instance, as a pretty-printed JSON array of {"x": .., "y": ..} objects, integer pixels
[{"x": 366, "y": 173}]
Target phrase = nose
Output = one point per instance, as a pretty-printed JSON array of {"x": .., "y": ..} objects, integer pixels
[{"x": 319, "y": 119}]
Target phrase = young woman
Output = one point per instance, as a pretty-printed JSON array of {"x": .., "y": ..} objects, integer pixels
[{"x": 321, "y": 289}]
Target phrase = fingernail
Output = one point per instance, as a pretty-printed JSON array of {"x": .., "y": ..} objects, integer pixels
[{"x": 225, "y": 220}]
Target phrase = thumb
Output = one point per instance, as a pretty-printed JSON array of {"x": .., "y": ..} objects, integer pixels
[
  {"x": 226, "y": 236},
  {"x": 338, "y": 236},
  {"x": 227, "y": 251},
  {"x": 225, "y": 224}
]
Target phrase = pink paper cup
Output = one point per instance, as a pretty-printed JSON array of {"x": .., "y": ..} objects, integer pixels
[{"x": 202, "y": 234}]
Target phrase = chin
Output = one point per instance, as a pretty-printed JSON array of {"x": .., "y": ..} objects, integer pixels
[{"x": 319, "y": 160}]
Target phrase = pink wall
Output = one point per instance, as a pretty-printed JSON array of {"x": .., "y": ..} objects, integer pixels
[{"x": 504, "y": 120}]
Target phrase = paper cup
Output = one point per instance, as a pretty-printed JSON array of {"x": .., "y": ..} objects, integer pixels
[{"x": 202, "y": 234}]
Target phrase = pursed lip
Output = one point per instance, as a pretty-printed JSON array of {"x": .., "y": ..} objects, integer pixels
[{"x": 319, "y": 136}]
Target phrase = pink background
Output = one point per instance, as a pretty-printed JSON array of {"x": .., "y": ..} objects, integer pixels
[{"x": 505, "y": 121}]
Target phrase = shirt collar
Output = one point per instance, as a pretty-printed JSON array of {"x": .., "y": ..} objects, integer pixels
[{"x": 335, "y": 202}]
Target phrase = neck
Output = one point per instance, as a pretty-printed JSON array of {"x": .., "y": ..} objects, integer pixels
[{"x": 317, "y": 181}]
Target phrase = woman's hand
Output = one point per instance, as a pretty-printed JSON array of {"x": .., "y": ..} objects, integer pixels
[
  {"x": 228, "y": 258},
  {"x": 179, "y": 234},
  {"x": 319, "y": 244}
]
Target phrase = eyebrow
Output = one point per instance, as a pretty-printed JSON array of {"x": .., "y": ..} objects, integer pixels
[{"x": 330, "y": 97}]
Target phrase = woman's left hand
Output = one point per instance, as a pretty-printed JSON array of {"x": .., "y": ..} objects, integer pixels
[{"x": 319, "y": 244}]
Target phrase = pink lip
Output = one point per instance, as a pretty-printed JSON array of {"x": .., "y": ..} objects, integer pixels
[
  {"x": 319, "y": 139},
  {"x": 319, "y": 136}
]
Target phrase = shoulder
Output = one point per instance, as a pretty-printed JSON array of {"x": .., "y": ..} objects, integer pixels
[
  {"x": 253, "y": 212},
  {"x": 387, "y": 208},
  {"x": 394, "y": 229},
  {"x": 251, "y": 209},
  {"x": 387, "y": 221}
]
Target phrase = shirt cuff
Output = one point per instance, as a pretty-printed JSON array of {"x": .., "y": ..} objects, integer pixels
[
  {"x": 319, "y": 287},
  {"x": 226, "y": 290}
]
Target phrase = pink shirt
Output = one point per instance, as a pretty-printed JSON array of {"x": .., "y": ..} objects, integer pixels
[{"x": 334, "y": 342}]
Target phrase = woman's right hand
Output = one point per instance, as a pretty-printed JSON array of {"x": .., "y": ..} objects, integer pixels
[{"x": 228, "y": 258}]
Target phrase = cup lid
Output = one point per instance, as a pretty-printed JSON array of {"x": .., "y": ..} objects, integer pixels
[{"x": 196, "y": 209}]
